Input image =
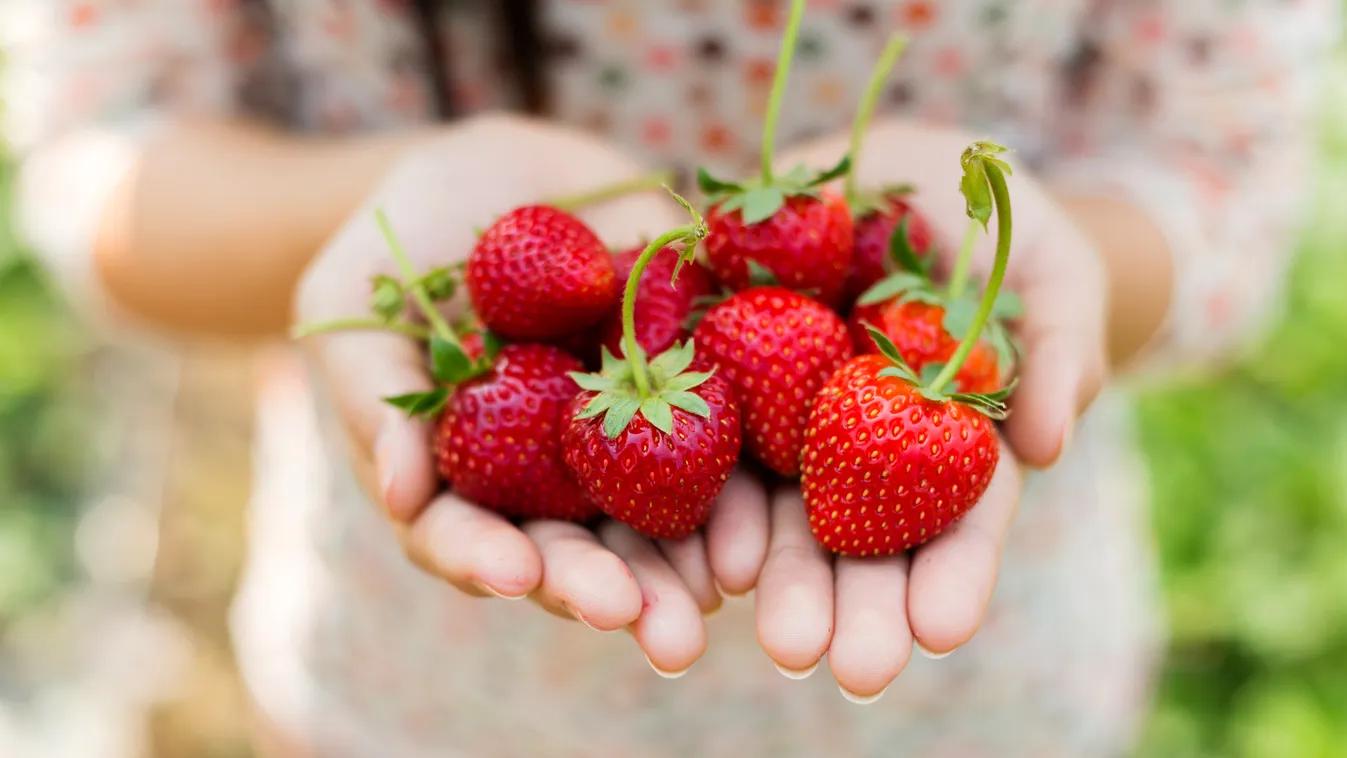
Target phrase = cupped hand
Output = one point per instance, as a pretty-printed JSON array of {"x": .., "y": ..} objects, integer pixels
[
  {"x": 609, "y": 578},
  {"x": 865, "y": 614}
]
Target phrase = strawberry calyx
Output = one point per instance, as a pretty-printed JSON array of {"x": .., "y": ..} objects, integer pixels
[
  {"x": 862, "y": 203},
  {"x": 992, "y": 404},
  {"x": 632, "y": 384},
  {"x": 759, "y": 199},
  {"x": 912, "y": 278}
]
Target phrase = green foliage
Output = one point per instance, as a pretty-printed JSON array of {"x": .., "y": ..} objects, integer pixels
[{"x": 1250, "y": 480}]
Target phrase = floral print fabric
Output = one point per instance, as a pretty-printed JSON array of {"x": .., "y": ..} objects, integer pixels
[{"x": 1196, "y": 110}]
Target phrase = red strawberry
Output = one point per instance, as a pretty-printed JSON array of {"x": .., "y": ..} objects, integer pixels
[
  {"x": 917, "y": 328},
  {"x": 651, "y": 443},
  {"x": 890, "y": 459},
  {"x": 660, "y": 483},
  {"x": 662, "y": 305},
  {"x": 885, "y": 468},
  {"x": 874, "y": 231},
  {"x": 806, "y": 245},
  {"x": 784, "y": 223},
  {"x": 498, "y": 440},
  {"x": 777, "y": 348},
  {"x": 539, "y": 273}
]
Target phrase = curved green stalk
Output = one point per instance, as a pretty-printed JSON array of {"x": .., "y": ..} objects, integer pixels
[
  {"x": 636, "y": 356},
  {"x": 788, "y": 42},
  {"x": 356, "y": 324},
  {"x": 883, "y": 67},
  {"x": 572, "y": 203},
  {"x": 959, "y": 277},
  {"x": 1001, "y": 195},
  {"x": 438, "y": 326}
]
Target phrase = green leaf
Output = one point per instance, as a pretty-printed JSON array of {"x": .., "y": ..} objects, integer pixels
[
  {"x": 600, "y": 403},
  {"x": 420, "y": 404},
  {"x": 762, "y": 203},
  {"x": 1007, "y": 306},
  {"x": 672, "y": 362},
  {"x": 977, "y": 192},
  {"x": 836, "y": 172},
  {"x": 898, "y": 372},
  {"x": 619, "y": 415},
  {"x": 448, "y": 362},
  {"x": 387, "y": 299},
  {"x": 711, "y": 185},
  {"x": 887, "y": 348},
  {"x": 440, "y": 284},
  {"x": 492, "y": 344},
  {"x": 684, "y": 382},
  {"x": 591, "y": 382},
  {"x": 689, "y": 402},
  {"x": 900, "y": 248},
  {"x": 658, "y": 413},
  {"x": 761, "y": 276},
  {"x": 892, "y": 286},
  {"x": 1005, "y": 345},
  {"x": 930, "y": 371},
  {"x": 899, "y": 190},
  {"x": 959, "y": 316}
]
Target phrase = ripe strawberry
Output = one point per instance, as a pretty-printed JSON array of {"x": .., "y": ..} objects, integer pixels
[
  {"x": 875, "y": 228},
  {"x": 777, "y": 348},
  {"x": 652, "y": 444},
  {"x": 784, "y": 223},
  {"x": 498, "y": 440},
  {"x": 918, "y": 330},
  {"x": 890, "y": 459},
  {"x": 662, "y": 303},
  {"x": 885, "y": 468},
  {"x": 539, "y": 273}
]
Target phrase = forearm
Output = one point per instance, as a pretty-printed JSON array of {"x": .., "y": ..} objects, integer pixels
[{"x": 211, "y": 229}]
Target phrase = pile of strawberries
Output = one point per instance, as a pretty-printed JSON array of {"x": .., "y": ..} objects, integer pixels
[{"x": 811, "y": 337}]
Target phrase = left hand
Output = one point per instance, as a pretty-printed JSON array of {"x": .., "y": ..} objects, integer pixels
[{"x": 865, "y": 614}]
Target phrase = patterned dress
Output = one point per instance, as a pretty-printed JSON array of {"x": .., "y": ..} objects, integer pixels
[{"x": 1202, "y": 109}]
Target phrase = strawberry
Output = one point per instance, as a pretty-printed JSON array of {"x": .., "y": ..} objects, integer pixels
[
  {"x": 918, "y": 330},
  {"x": 777, "y": 348},
  {"x": 875, "y": 227},
  {"x": 783, "y": 223},
  {"x": 663, "y": 304},
  {"x": 498, "y": 440},
  {"x": 890, "y": 460},
  {"x": 651, "y": 443},
  {"x": 539, "y": 273}
]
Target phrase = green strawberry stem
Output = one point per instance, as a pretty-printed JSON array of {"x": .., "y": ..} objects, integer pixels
[
  {"x": 1000, "y": 194},
  {"x": 788, "y": 42},
  {"x": 572, "y": 203},
  {"x": 361, "y": 324},
  {"x": 959, "y": 277},
  {"x": 883, "y": 67},
  {"x": 690, "y": 234},
  {"x": 438, "y": 326}
]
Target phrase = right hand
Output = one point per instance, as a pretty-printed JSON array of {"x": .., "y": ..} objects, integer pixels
[{"x": 455, "y": 181}]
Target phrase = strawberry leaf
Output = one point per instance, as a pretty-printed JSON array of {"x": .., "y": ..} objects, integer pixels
[
  {"x": 440, "y": 284},
  {"x": 1007, "y": 306},
  {"x": 761, "y": 203},
  {"x": 658, "y": 413},
  {"x": 492, "y": 344},
  {"x": 420, "y": 404},
  {"x": 836, "y": 172},
  {"x": 899, "y": 372},
  {"x": 713, "y": 186},
  {"x": 761, "y": 276},
  {"x": 388, "y": 299},
  {"x": 959, "y": 316},
  {"x": 892, "y": 286},
  {"x": 448, "y": 362},
  {"x": 689, "y": 402},
  {"x": 619, "y": 415},
  {"x": 600, "y": 403},
  {"x": 1003, "y": 343},
  {"x": 672, "y": 362},
  {"x": 930, "y": 371},
  {"x": 974, "y": 184},
  {"x": 591, "y": 382},
  {"x": 900, "y": 249},
  {"x": 890, "y": 351},
  {"x": 684, "y": 382}
]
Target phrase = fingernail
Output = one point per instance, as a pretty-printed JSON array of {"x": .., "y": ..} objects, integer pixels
[
  {"x": 796, "y": 674},
  {"x": 579, "y": 618},
  {"x": 859, "y": 700},
  {"x": 931, "y": 654},
  {"x": 663, "y": 673},
  {"x": 493, "y": 591}
]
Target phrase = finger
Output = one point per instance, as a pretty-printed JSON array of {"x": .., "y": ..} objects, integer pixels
[
  {"x": 687, "y": 557},
  {"x": 736, "y": 535},
  {"x": 954, "y": 575},
  {"x": 473, "y": 549},
  {"x": 670, "y": 629},
  {"x": 582, "y": 579},
  {"x": 872, "y": 642},
  {"x": 795, "y": 590}
]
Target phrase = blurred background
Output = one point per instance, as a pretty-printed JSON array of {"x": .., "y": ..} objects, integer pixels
[{"x": 114, "y": 588}]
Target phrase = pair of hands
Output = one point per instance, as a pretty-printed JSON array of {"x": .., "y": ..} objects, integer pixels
[{"x": 864, "y": 615}]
